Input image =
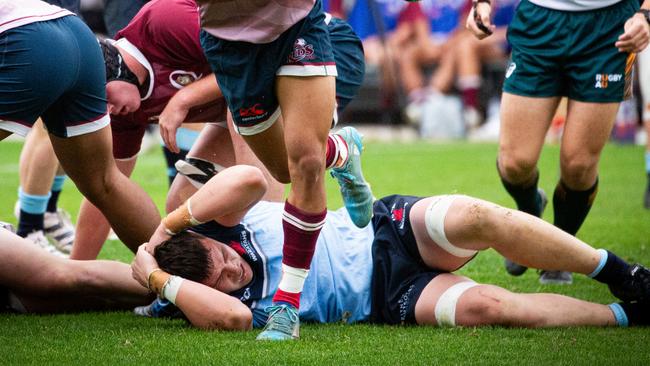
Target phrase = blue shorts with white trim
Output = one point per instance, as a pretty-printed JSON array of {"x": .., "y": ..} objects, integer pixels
[
  {"x": 246, "y": 72},
  {"x": 54, "y": 70}
]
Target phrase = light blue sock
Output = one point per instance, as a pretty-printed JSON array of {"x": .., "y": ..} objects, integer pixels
[
  {"x": 601, "y": 263},
  {"x": 647, "y": 162},
  {"x": 33, "y": 204},
  {"x": 58, "y": 182},
  {"x": 619, "y": 315}
]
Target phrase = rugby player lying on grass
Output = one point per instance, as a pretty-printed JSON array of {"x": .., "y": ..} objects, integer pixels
[
  {"x": 34, "y": 281},
  {"x": 222, "y": 264}
]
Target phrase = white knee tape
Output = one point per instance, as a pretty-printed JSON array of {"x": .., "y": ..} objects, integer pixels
[
  {"x": 434, "y": 220},
  {"x": 446, "y": 306}
]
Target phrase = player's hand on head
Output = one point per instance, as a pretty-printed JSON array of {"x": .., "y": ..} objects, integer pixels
[
  {"x": 478, "y": 19},
  {"x": 171, "y": 118},
  {"x": 636, "y": 36},
  {"x": 143, "y": 264},
  {"x": 159, "y": 236}
]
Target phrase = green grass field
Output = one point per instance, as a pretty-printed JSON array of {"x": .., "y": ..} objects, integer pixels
[{"x": 617, "y": 222}]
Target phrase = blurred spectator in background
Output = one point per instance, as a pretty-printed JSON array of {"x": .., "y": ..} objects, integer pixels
[
  {"x": 459, "y": 58},
  {"x": 376, "y": 23},
  {"x": 471, "y": 55}
]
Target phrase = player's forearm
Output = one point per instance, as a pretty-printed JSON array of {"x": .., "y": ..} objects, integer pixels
[
  {"x": 198, "y": 93},
  {"x": 205, "y": 307},
  {"x": 224, "y": 198}
]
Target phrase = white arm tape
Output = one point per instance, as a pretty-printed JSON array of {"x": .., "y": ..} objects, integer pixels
[
  {"x": 193, "y": 220},
  {"x": 434, "y": 220},
  {"x": 171, "y": 288},
  {"x": 446, "y": 306}
]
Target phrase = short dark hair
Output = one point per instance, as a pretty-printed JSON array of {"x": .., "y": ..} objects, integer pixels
[{"x": 184, "y": 255}]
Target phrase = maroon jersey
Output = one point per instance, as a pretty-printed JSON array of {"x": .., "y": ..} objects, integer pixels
[{"x": 164, "y": 37}]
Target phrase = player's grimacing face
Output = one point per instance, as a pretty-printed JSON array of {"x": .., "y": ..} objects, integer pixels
[
  {"x": 230, "y": 272},
  {"x": 122, "y": 97}
]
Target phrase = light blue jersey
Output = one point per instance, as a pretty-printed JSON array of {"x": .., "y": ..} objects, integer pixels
[{"x": 338, "y": 285}]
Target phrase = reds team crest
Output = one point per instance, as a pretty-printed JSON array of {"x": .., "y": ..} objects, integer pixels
[{"x": 301, "y": 51}]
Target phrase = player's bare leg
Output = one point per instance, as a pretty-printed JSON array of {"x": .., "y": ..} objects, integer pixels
[
  {"x": 88, "y": 161},
  {"x": 587, "y": 129},
  {"x": 37, "y": 168},
  {"x": 41, "y": 182},
  {"x": 471, "y": 304},
  {"x": 524, "y": 122},
  {"x": 450, "y": 230},
  {"x": 45, "y": 283},
  {"x": 307, "y": 105},
  {"x": 92, "y": 226}
]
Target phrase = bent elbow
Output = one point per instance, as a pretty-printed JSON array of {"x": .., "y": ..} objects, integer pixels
[{"x": 236, "y": 320}]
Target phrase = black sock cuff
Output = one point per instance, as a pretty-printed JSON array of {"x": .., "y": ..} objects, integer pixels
[
  {"x": 635, "y": 313},
  {"x": 28, "y": 223},
  {"x": 575, "y": 193}
]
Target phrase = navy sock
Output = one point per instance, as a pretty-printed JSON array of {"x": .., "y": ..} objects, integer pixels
[
  {"x": 571, "y": 207},
  {"x": 636, "y": 313},
  {"x": 53, "y": 201},
  {"x": 614, "y": 271},
  {"x": 29, "y": 222},
  {"x": 57, "y": 186},
  {"x": 525, "y": 195}
]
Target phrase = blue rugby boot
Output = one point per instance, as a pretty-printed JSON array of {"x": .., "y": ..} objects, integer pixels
[
  {"x": 356, "y": 192},
  {"x": 159, "y": 308},
  {"x": 283, "y": 324}
]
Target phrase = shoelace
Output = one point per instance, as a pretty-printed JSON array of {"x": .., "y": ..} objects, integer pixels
[
  {"x": 347, "y": 178},
  {"x": 280, "y": 322}
]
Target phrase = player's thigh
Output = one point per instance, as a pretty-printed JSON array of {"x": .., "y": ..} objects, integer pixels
[
  {"x": 441, "y": 233},
  {"x": 87, "y": 159},
  {"x": 307, "y": 105},
  {"x": 269, "y": 147},
  {"x": 524, "y": 122},
  {"x": 587, "y": 129}
]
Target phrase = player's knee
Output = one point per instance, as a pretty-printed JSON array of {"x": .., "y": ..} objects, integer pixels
[
  {"x": 483, "y": 306},
  {"x": 307, "y": 167},
  {"x": 252, "y": 179},
  {"x": 478, "y": 217},
  {"x": 578, "y": 171},
  {"x": 514, "y": 168}
]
